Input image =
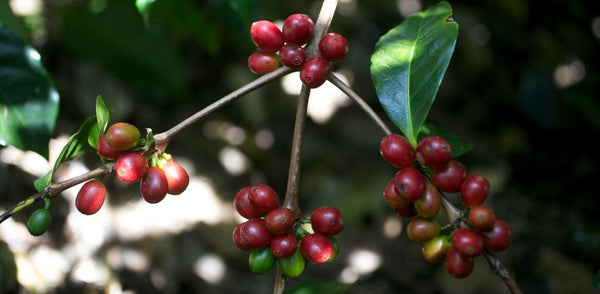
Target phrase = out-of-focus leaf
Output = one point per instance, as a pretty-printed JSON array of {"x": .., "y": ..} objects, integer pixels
[
  {"x": 459, "y": 145},
  {"x": 143, "y": 7},
  {"x": 329, "y": 288},
  {"x": 242, "y": 8},
  {"x": 28, "y": 100},
  {"x": 10, "y": 20},
  {"x": 409, "y": 63}
]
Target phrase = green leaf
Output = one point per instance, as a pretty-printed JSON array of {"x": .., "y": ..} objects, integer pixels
[
  {"x": 409, "y": 63},
  {"x": 28, "y": 101},
  {"x": 77, "y": 144},
  {"x": 329, "y": 288},
  {"x": 242, "y": 8},
  {"x": 143, "y": 5},
  {"x": 103, "y": 116},
  {"x": 459, "y": 145}
]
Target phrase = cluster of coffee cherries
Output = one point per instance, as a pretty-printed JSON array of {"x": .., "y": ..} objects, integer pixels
[
  {"x": 415, "y": 192},
  {"x": 274, "y": 234},
  {"x": 296, "y": 32}
]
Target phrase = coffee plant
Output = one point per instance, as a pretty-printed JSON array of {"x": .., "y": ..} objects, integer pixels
[{"x": 439, "y": 199}]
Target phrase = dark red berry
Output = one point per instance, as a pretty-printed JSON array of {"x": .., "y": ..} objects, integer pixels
[
  {"x": 154, "y": 185},
  {"x": 400, "y": 205},
  {"x": 292, "y": 55},
  {"x": 429, "y": 204},
  {"x": 105, "y": 150},
  {"x": 255, "y": 234},
  {"x": 242, "y": 204},
  {"x": 499, "y": 237},
  {"x": 467, "y": 242},
  {"x": 266, "y": 36},
  {"x": 397, "y": 151},
  {"x": 317, "y": 248},
  {"x": 474, "y": 190},
  {"x": 297, "y": 29},
  {"x": 482, "y": 218},
  {"x": 280, "y": 220},
  {"x": 177, "y": 178},
  {"x": 237, "y": 238},
  {"x": 314, "y": 72},
  {"x": 450, "y": 177},
  {"x": 434, "y": 151},
  {"x": 333, "y": 47},
  {"x": 90, "y": 197},
  {"x": 262, "y": 62},
  {"x": 327, "y": 221},
  {"x": 122, "y": 136},
  {"x": 409, "y": 183},
  {"x": 131, "y": 166},
  {"x": 284, "y": 245},
  {"x": 458, "y": 265},
  {"x": 421, "y": 230},
  {"x": 263, "y": 198}
]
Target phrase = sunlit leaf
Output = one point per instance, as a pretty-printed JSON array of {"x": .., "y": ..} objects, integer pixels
[
  {"x": 28, "y": 101},
  {"x": 409, "y": 63}
]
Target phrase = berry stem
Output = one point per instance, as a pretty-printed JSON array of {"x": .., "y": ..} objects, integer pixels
[
  {"x": 360, "y": 102},
  {"x": 500, "y": 270}
]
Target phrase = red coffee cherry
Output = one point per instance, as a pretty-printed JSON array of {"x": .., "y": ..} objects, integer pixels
[
  {"x": 177, "y": 178},
  {"x": 474, "y": 190},
  {"x": 482, "y": 218},
  {"x": 397, "y": 151},
  {"x": 237, "y": 238},
  {"x": 131, "y": 166},
  {"x": 409, "y": 183},
  {"x": 280, "y": 220},
  {"x": 266, "y": 36},
  {"x": 122, "y": 136},
  {"x": 292, "y": 55},
  {"x": 429, "y": 204},
  {"x": 90, "y": 197},
  {"x": 284, "y": 245},
  {"x": 105, "y": 150},
  {"x": 327, "y": 221},
  {"x": 242, "y": 204},
  {"x": 499, "y": 237},
  {"x": 262, "y": 62},
  {"x": 450, "y": 177},
  {"x": 263, "y": 198},
  {"x": 467, "y": 242},
  {"x": 314, "y": 72},
  {"x": 400, "y": 205},
  {"x": 333, "y": 47},
  {"x": 154, "y": 185},
  {"x": 255, "y": 234},
  {"x": 458, "y": 265},
  {"x": 421, "y": 230},
  {"x": 316, "y": 248},
  {"x": 434, "y": 151},
  {"x": 297, "y": 29}
]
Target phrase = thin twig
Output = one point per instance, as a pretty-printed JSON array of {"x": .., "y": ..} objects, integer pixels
[{"x": 502, "y": 272}]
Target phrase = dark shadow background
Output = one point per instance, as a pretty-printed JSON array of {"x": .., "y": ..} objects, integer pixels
[{"x": 522, "y": 86}]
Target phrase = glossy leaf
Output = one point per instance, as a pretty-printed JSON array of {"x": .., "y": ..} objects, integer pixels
[
  {"x": 409, "y": 63},
  {"x": 459, "y": 145},
  {"x": 103, "y": 116},
  {"x": 28, "y": 100}
]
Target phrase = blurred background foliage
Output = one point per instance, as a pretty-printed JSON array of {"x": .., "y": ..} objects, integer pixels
[{"x": 522, "y": 86}]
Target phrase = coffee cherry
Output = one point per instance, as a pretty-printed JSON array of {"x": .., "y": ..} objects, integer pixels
[
  {"x": 314, "y": 72},
  {"x": 327, "y": 221},
  {"x": 467, "y": 242},
  {"x": 177, "y": 178},
  {"x": 280, "y": 220},
  {"x": 122, "y": 136},
  {"x": 397, "y": 151},
  {"x": 262, "y": 62},
  {"x": 409, "y": 183},
  {"x": 284, "y": 245},
  {"x": 316, "y": 248},
  {"x": 131, "y": 166},
  {"x": 458, "y": 265},
  {"x": 474, "y": 190},
  {"x": 403, "y": 207},
  {"x": 499, "y": 237},
  {"x": 105, "y": 150},
  {"x": 434, "y": 151},
  {"x": 263, "y": 198},
  {"x": 261, "y": 261},
  {"x": 242, "y": 204},
  {"x": 333, "y": 47},
  {"x": 154, "y": 185},
  {"x": 421, "y": 230},
  {"x": 38, "y": 222},
  {"x": 436, "y": 249},
  {"x": 482, "y": 218},
  {"x": 266, "y": 36},
  {"x": 254, "y": 233},
  {"x": 428, "y": 205},
  {"x": 90, "y": 197},
  {"x": 297, "y": 29},
  {"x": 292, "y": 55},
  {"x": 450, "y": 177},
  {"x": 294, "y": 265},
  {"x": 237, "y": 238}
]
